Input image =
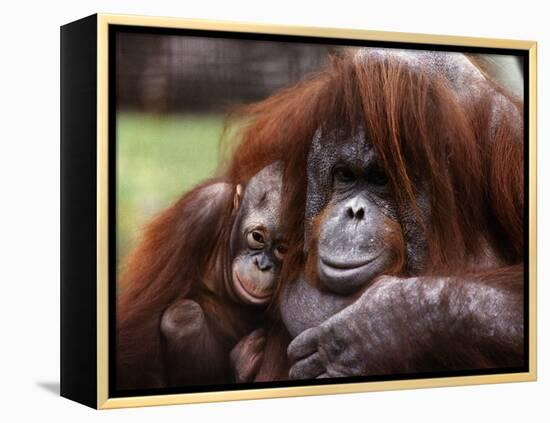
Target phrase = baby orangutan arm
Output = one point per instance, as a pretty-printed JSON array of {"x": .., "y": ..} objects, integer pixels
[
  {"x": 193, "y": 352},
  {"x": 247, "y": 356}
]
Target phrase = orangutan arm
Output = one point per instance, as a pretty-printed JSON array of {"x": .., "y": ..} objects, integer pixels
[{"x": 418, "y": 325}]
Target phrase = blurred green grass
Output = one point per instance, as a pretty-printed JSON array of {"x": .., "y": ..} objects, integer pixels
[{"x": 158, "y": 158}]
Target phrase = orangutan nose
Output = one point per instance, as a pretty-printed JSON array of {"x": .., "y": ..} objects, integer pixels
[{"x": 263, "y": 262}]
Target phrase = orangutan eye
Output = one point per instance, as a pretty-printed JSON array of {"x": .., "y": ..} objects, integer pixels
[
  {"x": 255, "y": 239},
  {"x": 281, "y": 251},
  {"x": 344, "y": 175},
  {"x": 378, "y": 177}
]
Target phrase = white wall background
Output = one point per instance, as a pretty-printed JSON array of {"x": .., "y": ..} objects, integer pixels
[{"x": 29, "y": 209}]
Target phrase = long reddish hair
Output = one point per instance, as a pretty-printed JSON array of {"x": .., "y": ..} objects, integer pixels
[
  {"x": 176, "y": 249},
  {"x": 466, "y": 145}
]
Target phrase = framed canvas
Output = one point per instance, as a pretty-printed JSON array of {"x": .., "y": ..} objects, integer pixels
[{"x": 253, "y": 211}]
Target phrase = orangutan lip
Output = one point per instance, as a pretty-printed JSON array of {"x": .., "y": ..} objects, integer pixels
[
  {"x": 348, "y": 265},
  {"x": 239, "y": 285}
]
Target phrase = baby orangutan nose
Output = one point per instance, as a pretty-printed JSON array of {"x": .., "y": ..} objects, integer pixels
[{"x": 263, "y": 262}]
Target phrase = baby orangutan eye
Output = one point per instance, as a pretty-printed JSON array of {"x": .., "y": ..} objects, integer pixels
[
  {"x": 281, "y": 251},
  {"x": 255, "y": 240}
]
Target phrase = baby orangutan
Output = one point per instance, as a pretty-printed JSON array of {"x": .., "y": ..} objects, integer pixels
[{"x": 201, "y": 328}]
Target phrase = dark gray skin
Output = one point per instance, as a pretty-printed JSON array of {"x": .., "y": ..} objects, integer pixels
[
  {"x": 248, "y": 275},
  {"x": 396, "y": 324},
  {"x": 346, "y": 178},
  {"x": 257, "y": 239}
]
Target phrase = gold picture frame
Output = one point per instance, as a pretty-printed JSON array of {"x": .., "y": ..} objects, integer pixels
[{"x": 100, "y": 23}]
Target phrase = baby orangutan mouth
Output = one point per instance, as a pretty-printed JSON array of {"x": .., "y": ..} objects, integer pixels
[{"x": 258, "y": 292}]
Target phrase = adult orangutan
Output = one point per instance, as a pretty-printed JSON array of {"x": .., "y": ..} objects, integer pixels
[
  {"x": 408, "y": 168},
  {"x": 199, "y": 282}
]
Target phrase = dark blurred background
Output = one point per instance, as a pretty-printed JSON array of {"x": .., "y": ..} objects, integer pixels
[{"x": 180, "y": 74}]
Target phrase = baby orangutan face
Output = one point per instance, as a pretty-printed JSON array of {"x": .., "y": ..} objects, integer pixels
[{"x": 257, "y": 240}]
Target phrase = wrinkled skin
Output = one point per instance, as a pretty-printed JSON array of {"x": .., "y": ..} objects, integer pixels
[
  {"x": 257, "y": 239},
  {"x": 365, "y": 338},
  {"x": 347, "y": 183},
  {"x": 352, "y": 219},
  {"x": 304, "y": 306}
]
